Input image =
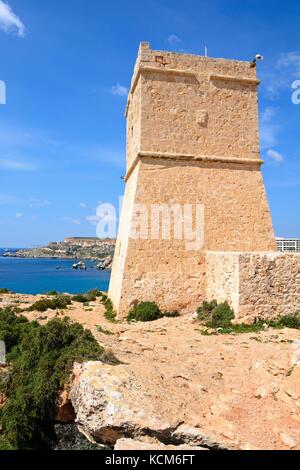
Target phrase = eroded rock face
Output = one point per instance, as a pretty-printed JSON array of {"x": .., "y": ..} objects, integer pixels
[
  {"x": 69, "y": 438},
  {"x": 177, "y": 387},
  {"x": 131, "y": 444},
  {"x": 111, "y": 403},
  {"x": 65, "y": 412},
  {"x": 116, "y": 407}
]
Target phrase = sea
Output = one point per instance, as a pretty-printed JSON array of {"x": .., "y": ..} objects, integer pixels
[{"x": 39, "y": 276}]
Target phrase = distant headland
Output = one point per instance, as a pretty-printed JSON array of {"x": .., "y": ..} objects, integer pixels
[{"x": 70, "y": 248}]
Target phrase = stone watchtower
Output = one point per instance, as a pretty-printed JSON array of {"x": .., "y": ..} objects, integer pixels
[{"x": 192, "y": 139}]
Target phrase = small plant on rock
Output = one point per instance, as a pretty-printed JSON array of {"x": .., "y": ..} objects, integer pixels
[
  {"x": 214, "y": 315},
  {"x": 286, "y": 321},
  {"x": 52, "y": 293},
  {"x": 81, "y": 298},
  {"x": 172, "y": 314},
  {"x": 221, "y": 316},
  {"x": 144, "y": 311},
  {"x": 109, "y": 313},
  {"x": 4, "y": 291},
  {"x": 204, "y": 312},
  {"x": 100, "y": 329},
  {"x": 59, "y": 302},
  {"x": 93, "y": 294},
  {"x": 108, "y": 357}
]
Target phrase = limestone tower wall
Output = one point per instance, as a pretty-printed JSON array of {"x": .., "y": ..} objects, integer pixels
[{"x": 192, "y": 140}]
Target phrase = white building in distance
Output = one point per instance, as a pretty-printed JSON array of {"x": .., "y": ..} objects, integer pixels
[{"x": 288, "y": 244}]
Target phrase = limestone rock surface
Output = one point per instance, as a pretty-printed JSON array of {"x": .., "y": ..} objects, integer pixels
[{"x": 176, "y": 387}]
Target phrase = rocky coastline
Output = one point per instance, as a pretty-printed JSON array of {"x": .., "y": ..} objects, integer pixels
[{"x": 102, "y": 250}]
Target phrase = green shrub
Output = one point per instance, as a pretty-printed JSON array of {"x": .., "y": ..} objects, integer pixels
[
  {"x": 242, "y": 328},
  {"x": 205, "y": 311},
  {"x": 81, "y": 298},
  {"x": 109, "y": 313},
  {"x": 214, "y": 315},
  {"x": 144, "y": 311},
  {"x": 12, "y": 328},
  {"x": 221, "y": 316},
  {"x": 42, "y": 358},
  {"x": 93, "y": 294},
  {"x": 149, "y": 311},
  {"x": 5, "y": 445},
  {"x": 108, "y": 357},
  {"x": 100, "y": 329},
  {"x": 286, "y": 321},
  {"x": 173, "y": 314},
  {"x": 90, "y": 296},
  {"x": 4, "y": 291},
  {"x": 52, "y": 293},
  {"x": 59, "y": 302}
]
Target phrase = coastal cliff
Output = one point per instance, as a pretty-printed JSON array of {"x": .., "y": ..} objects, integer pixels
[{"x": 70, "y": 248}]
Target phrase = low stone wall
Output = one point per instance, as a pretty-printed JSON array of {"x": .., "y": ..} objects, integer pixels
[{"x": 257, "y": 285}]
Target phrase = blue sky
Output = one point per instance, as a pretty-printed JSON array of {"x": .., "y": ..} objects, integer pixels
[{"x": 67, "y": 65}]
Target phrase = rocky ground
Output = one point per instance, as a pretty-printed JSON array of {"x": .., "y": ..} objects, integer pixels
[{"x": 176, "y": 387}]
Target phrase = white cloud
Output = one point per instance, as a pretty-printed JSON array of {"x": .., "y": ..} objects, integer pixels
[
  {"x": 93, "y": 219},
  {"x": 9, "y": 21},
  {"x": 268, "y": 128},
  {"x": 281, "y": 75},
  {"x": 268, "y": 135},
  {"x": 119, "y": 90},
  {"x": 72, "y": 220},
  {"x": 34, "y": 202},
  {"x": 15, "y": 165},
  {"x": 7, "y": 199},
  {"x": 275, "y": 156},
  {"x": 19, "y": 215},
  {"x": 83, "y": 205},
  {"x": 269, "y": 131},
  {"x": 174, "y": 40},
  {"x": 290, "y": 60},
  {"x": 268, "y": 114},
  {"x": 113, "y": 156}
]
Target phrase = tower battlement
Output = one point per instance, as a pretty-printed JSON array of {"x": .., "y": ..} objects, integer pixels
[{"x": 192, "y": 107}]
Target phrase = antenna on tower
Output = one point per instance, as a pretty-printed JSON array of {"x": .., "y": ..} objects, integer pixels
[{"x": 205, "y": 51}]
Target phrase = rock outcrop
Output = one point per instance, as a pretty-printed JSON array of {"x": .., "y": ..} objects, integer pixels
[
  {"x": 111, "y": 404},
  {"x": 176, "y": 387},
  {"x": 131, "y": 444},
  {"x": 64, "y": 409}
]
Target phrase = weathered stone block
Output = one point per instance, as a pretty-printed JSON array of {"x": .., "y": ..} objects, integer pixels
[{"x": 257, "y": 285}]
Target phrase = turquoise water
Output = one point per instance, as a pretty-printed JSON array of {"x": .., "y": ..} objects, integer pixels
[{"x": 37, "y": 276}]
